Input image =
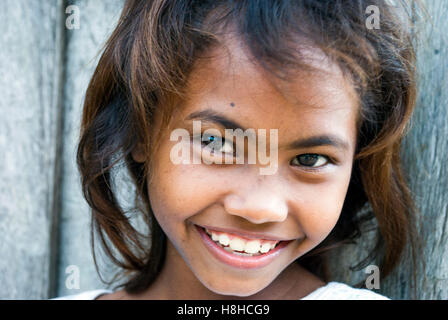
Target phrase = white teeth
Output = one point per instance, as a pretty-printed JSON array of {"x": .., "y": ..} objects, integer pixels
[
  {"x": 265, "y": 247},
  {"x": 237, "y": 244},
  {"x": 245, "y": 247},
  {"x": 252, "y": 246},
  {"x": 224, "y": 239},
  {"x": 215, "y": 237},
  {"x": 242, "y": 254},
  {"x": 228, "y": 249}
]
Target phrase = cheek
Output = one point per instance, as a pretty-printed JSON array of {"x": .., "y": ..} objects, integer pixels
[
  {"x": 320, "y": 207},
  {"x": 178, "y": 192},
  {"x": 321, "y": 217}
]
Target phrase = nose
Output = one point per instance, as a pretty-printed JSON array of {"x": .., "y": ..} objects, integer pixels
[{"x": 258, "y": 203}]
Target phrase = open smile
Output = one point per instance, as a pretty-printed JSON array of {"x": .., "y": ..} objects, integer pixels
[{"x": 239, "y": 252}]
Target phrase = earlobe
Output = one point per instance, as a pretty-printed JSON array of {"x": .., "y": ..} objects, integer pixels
[{"x": 138, "y": 154}]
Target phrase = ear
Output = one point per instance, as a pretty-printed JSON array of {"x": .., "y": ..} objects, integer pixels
[{"x": 138, "y": 154}]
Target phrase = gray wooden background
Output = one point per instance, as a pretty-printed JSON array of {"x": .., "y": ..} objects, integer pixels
[{"x": 44, "y": 221}]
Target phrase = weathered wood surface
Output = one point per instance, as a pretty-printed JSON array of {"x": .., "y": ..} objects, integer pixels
[
  {"x": 97, "y": 20},
  {"x": 425, "y": 153},
  {"x": 30, "y": 71}
]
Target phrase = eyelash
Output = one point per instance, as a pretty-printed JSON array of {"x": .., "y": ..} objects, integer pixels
[
  {"x": 311, "y": 168},
  {"x": 328, "y": 159},
  {"x": 223, "y": 141}
]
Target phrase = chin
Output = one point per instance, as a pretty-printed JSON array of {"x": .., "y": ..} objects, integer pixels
[{"x": 234, "y": 288}]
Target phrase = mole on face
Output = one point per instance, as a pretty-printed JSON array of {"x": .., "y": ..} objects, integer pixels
[{"x": 232, "y": 104}]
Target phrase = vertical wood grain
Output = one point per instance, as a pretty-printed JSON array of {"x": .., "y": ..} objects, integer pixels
[
  {"x": 425, "y": 154},
  {"x": 31, "y": 42},
  {"x": 97, "y": 21}
]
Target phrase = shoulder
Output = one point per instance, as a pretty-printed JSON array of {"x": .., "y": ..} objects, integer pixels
[
  {"x": 341, "y": 291},
  {"x": 86, "y": 295}
]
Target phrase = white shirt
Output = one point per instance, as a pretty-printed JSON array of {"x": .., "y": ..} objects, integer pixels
[{"x": 331, "y": 291}]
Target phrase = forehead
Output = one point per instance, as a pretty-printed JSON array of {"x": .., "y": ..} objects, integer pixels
[{"x": 229, "y": 81}]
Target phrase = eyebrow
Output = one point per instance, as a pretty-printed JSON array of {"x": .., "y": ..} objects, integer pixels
[
  {"x": 309, "y": 142},
  {"x": 212, "y": 116},
  {"x": 321, "y": 140}
]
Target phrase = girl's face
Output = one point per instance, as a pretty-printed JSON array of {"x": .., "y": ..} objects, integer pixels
[{"x": 315, "y": 116}]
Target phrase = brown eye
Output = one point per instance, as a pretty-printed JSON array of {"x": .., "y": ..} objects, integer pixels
[{"x": 310, "y": 160}]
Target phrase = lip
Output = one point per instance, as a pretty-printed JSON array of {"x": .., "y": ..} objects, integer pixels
[{"x": 241, "y": 262}]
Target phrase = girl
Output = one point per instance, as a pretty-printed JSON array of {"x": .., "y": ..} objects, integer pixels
[{"x": 337, "y": 93}]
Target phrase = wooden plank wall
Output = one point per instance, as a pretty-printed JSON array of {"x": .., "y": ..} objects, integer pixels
[
  {"x": 98, "y": 19},
  {"x": 31, "y": 48},
  {"x": 44, "y": 221},
  {"x": 425, "y": 153},
  {"x": 426, "y": 156}
]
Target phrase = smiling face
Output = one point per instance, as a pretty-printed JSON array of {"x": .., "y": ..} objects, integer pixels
[{"x": 315, "y": 116}]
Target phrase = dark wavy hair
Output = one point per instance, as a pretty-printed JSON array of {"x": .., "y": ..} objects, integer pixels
[{"x": 145, "y": 65}]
